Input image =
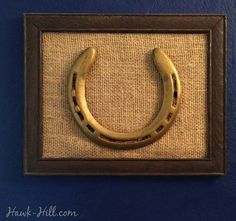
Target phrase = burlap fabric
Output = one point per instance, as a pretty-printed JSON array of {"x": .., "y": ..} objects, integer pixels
[{"x": 124, "y": 93}]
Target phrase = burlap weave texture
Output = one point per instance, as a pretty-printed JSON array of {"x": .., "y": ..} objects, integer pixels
[{"x": 124, "y": 93}]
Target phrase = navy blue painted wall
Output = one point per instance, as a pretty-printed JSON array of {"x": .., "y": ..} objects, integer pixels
[{"x": 107, "y": 198}]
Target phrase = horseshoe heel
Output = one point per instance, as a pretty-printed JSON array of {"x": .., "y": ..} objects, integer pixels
[{"x": 155, "y": 130}]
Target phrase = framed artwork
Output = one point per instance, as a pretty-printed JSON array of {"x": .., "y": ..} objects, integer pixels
[{"x": 125, "y": 94}]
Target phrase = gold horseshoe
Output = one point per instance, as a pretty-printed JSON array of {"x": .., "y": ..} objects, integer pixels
[{"x": 134, "y": 139}]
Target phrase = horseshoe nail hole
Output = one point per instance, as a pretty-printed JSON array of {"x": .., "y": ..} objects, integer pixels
[
  {"x": 73, "y": 80},
  {"x": 107, "y": 138},
  {"x": 74, "y": 101},
  {"x": 159, "y": 129},
  {"x": 146, "y": 137},
  {"x": 169, "y": 116},
  {"x": 174, "y": 81},
  {"x": 80, "y": 116},
  {"x": 91, "y": 129},
  {"x": 175, "y": 98},
  {"x": 175, "y": 94},
  {"x": 120, "y": 141}
]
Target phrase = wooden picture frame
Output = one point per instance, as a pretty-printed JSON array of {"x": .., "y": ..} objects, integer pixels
[{"x": 212, "y": 25}]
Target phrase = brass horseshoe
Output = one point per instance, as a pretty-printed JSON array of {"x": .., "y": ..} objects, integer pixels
[{"x": 134, "y": 139}]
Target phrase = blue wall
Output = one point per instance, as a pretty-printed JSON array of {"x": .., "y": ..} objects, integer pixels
[{"x": 106, "y": 198}]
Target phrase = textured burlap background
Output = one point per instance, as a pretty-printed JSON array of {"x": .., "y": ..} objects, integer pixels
[{"x": 124, "y": 93}]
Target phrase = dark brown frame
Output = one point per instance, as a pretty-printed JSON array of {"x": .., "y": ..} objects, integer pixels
[{"x": 212, "y": 25}]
